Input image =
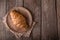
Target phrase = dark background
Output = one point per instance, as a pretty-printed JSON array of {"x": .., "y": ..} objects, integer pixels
[{"x": 45, "y": 12}]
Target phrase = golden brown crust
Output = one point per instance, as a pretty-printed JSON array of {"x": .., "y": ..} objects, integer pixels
[{"x": 19, "y": 21}]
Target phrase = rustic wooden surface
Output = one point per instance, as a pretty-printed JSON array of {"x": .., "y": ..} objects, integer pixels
[
  {"x": 46, "y": 13},
  {"x": 49, "y": 20},
  {"x": 58, "y": 16}
]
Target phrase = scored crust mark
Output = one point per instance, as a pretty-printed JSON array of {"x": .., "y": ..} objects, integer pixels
[{"x": 17, "y": 21}]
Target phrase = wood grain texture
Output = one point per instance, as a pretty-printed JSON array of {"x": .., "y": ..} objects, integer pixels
[
  {"x": 58, "y": 16},
  {"x": 2, "y": 13},
  {"x": 49, "y": 20},
  {"x": 11, "y": 4},
  {"x": 3, "y": 31},
  {"x": 34, "y": 7},
  {"x": 2, "y": 8},
  {"x": 46, "y": 14}
]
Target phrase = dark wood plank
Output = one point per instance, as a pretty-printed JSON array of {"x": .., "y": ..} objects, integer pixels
[
  {"x": 34, "y": 7},
  {"x": 2, "y": 8},
  {"x": 58, "y": 16},
  {"x": 19, "y": 3},
  {"x": 2, "y": 13},
  {"x": 10, "y": 4},
  {"x": 49, "y": 20},
  {"x": 4, "y": 34}
]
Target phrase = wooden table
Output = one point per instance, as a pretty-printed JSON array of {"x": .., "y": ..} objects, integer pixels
[{"x": 45, "y": 12}]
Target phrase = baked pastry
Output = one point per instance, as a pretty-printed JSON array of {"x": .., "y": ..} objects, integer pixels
[{"x": 17, "y": 21}]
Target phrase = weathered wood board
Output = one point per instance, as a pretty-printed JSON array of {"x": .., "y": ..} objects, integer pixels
[
  {"x": 58, "y": 16},
  {"x": 46, "y": 14},
  {"x": 49, "y": 20}
]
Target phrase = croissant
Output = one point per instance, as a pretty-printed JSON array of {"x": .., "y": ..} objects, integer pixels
[{"x": 18, "y": 21}]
